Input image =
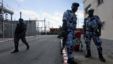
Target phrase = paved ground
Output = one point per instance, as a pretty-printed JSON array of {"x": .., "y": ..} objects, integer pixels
[
  {"x": 43, "y": 50},
  {"x": 107, "y": 51}
]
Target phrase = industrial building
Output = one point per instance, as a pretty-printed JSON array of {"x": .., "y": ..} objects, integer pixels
[{"x": 8, "y": 25}]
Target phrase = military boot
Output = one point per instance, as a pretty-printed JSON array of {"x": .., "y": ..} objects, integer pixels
[
  {"x": 101, "y": 55},
  {"x": 71, "y": 61},
  {"x": 88, "y": 54}
]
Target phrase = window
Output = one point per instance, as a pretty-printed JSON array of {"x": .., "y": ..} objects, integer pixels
[{"x": 99, "y": 2}]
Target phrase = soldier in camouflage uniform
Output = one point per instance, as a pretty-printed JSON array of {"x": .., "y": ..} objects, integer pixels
[
  {"x": 69, "y": 26},
  {"x": 92, "y": 29}
]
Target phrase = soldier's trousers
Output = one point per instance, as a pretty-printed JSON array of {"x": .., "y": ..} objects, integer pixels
[
  {"x": 69, "y": 45},
  {"x": 96, "y": 40}
]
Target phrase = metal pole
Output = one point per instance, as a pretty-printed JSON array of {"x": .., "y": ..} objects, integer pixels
[
  {"x": 38, "y": 27},
  {"x": 12, "y": 29},
  {"x": 20, "y": 14},
  {"x": 12, "y": 25},
  {"x": 2, "y": 20},
  {"x": 11, "y": 17},
  {"x": 44, "y": 26}
]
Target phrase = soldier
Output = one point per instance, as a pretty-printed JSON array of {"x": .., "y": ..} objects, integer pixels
[
  {"x": 69, "y": 27},
  {"x": 20, "y": 34},
  {"x": 92, "y": 29}
]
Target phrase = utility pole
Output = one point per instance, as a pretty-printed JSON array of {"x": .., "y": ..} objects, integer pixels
[
  {"x": 2, "y": 20},
  {"x": 45, "y": 25},
  {"x": 43, "y": 28},
  {"x": 38, "y": 27},
  {"x": 20, "y": 14}
]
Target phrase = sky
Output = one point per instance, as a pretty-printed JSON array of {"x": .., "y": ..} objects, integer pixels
[{"x": 50, "y": 10}]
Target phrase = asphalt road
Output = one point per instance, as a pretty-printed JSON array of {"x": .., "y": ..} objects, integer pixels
[
  {"x": 44, "y": 49},
  {"x": 107, "y": 46}
]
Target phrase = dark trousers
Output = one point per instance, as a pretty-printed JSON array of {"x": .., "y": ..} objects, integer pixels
[{"x": 16, "y": 41}]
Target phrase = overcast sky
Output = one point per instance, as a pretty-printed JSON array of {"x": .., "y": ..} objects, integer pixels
[{"x": 51, "y": 10}]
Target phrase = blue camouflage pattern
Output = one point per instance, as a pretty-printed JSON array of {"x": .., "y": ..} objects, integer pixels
[
  {"x": 91, "y": 31},
  {"x": 69, "y": 18}
]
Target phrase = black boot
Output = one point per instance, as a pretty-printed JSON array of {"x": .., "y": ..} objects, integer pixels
[
  {"x": 16, "y": 48},
  {"x": 71, "y": 61},
  {"x": 100, "y": 55},
  {"x": 27, "y": 47},
  {"x": 102, "y": 58},
  {"x": 15, "y": 51},
  {"x": 88, "y": 54}
]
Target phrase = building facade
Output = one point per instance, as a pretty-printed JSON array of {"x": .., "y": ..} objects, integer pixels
[{"x": 104, "y": 9}]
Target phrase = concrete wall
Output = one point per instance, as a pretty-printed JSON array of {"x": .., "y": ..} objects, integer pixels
[
  {"x": 9, "y": 28},
  {"x": 105, "y": 11},
  {"x": 31, "y": 28}
]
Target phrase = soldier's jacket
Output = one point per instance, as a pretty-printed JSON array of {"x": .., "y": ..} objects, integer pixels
[
  {"x": 20, "y": 29},
  {"x": 93, "y": 25},
  {"x": 69, "y": 21}
]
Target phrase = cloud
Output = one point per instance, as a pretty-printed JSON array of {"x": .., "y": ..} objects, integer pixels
[
  {"x": 52, "y": 19},
  {"x": 80, "y": 17},
  {"x": 55, "y": 18},
  {"x": 80, "y": 14},
  {"x": 20, "y": 0},
  {"x": 26, "y": 14}
]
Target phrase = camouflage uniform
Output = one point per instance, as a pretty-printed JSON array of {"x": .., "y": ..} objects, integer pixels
[
  {"x": 69, "y": 25},
  {"x": 92, "y": 29}
]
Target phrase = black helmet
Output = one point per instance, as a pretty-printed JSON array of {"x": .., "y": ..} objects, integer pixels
[
  {"x": 91, "y": 10},
  {"x": 75, "y": 4}
]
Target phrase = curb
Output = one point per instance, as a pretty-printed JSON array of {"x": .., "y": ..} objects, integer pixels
[{"x": 65, "y": 58}]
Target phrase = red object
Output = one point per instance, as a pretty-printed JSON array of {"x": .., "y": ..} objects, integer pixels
[
  {"x": 78, "y": 34},
  {"x": 76, "y": 47}
]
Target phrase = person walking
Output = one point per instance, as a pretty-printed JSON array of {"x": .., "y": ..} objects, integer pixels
[
  {"x": 20, "y": 33},
  {"x": 69, "y": 27}
]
